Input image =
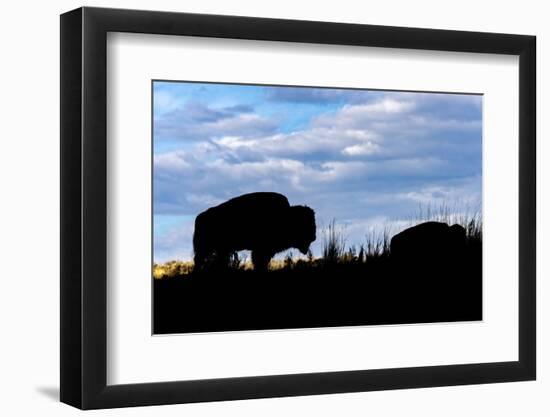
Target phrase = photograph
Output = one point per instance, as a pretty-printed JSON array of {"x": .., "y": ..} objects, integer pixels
[{"x": 292, "y": 207}]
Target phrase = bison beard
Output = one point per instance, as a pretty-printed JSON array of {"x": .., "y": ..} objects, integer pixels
[{"x": 264, "y": 223}]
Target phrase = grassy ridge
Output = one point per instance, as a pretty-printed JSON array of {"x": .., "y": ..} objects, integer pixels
[{"x": 347, "y": 286}]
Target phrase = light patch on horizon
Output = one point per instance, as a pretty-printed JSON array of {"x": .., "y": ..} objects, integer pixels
[{"x": 365, "y": 158}]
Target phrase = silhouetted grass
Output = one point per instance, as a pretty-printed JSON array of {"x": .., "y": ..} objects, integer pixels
[
  {"x": 334, "y": 243},
  {"x": 468, "y": 218}
]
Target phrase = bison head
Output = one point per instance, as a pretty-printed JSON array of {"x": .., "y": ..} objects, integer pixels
[
  {"x": 458, "y": 232},
  {"x": 302, "y": 219}
]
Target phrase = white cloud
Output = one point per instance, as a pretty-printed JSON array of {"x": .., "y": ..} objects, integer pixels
[
  {"x": 236, "y": 123},
  {"x": 367, "y": 148},
  {"x": 465, "y": 194},
  {"x": 386, "y": 106},
  {"x": 302, "y": 143},
  {"x": 203, "y": 199},
  {"x": 174, "y": 161},
  {"x": 358, "y": 116}
]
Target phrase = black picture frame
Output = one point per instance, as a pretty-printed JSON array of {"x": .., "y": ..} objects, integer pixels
[{"x": 84, "y": 207}]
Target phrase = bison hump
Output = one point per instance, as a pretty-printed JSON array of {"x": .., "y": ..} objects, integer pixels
[
  {"x": 261, "y": 197},
  {"x": 256, "y": 201},
  {"x": 248, "y": 210}
]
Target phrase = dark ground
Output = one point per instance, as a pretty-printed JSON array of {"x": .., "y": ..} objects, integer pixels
[{"x": 380, "y": 291}]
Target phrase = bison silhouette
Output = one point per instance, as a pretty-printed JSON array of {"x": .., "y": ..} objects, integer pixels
[
  {"x": 435, "y": 241},
  {"x": 263, "y": 222}
]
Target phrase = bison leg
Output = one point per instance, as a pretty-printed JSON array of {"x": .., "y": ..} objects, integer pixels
[
  {"x": 199, "y": 261},
  {"x": 260, "y": 260},
  {"x": 221, "y": 260}
]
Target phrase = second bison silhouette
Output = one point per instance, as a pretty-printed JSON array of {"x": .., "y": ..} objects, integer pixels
[
  {"x": 428, "y": 243},
  {"x": 264, "y": 223}
]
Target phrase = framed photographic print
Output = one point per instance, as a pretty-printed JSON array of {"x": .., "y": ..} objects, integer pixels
[{"x": 260, "y": 207}]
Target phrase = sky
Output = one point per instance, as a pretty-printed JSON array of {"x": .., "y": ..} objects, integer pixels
[{"x": 367, "y": 159}]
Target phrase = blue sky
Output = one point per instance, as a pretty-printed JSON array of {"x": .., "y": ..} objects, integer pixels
[{"x": 368, "y": 159}]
